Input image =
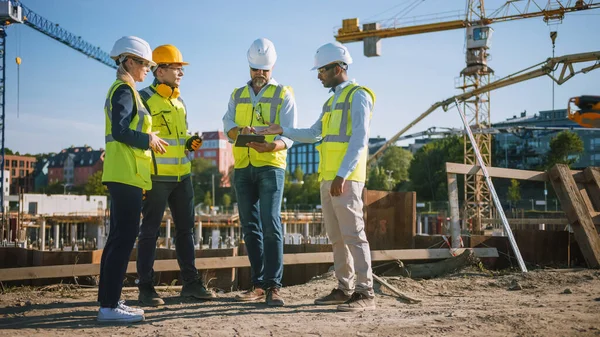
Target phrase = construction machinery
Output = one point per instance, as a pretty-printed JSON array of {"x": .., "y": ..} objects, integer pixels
[
  {"x": 14, "y": 12},
  {"x": 476, "y": 74},
  {"x": 588, "y": 114}
]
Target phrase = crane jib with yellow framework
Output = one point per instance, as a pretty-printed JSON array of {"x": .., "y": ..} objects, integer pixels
[{"x": 352, "y": 32}]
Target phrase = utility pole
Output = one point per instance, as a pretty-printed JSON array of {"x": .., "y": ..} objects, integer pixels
[{"x": 213, "y": 190}]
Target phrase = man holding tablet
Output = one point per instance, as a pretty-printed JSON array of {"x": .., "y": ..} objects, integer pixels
[{"x": 260, "y": 163}]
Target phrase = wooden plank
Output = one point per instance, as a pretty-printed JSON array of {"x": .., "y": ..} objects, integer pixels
[
  {"x": 574, "y": 206},
  {"x": 454, "y": 216},
  {"x": 592, "y": 175},
  {"x": 232, "y": 262},
  {"x": 537, "y": 221},
  {"x": 497, "y": 172}
]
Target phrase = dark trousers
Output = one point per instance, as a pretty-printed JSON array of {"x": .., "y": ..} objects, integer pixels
[
  {"x": 124, "y": 226},
  {"x": 180, "y": 196},
  {"x": 259, "y": 193}
]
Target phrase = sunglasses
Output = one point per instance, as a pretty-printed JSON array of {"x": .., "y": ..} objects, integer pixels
[
  {"x": 331, "y": 66},
  {"x": 141, "y": 62},
  {"x": 177, "y": 69}
]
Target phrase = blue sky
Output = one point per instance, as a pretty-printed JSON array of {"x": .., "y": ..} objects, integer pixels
[{"x": 62, "y": 92}]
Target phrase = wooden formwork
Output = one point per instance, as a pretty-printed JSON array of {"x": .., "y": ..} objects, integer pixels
[{"x": 579, "y": 195}]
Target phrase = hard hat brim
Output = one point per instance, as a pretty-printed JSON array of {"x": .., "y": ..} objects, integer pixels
[{"x": 261, "y": 66}]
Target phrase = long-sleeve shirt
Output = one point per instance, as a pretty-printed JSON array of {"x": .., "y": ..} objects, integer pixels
[
  {"x": 123, "y": 111},
  {"x": 287, "y": 113},
  {"x": 362, "y": 105}
]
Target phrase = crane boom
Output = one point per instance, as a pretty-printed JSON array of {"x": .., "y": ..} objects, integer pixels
[
  {"x": 540, "y": 69},
  {"x": 49, "y": 28},
  {"x": 13, "y": 12},
  {"x": 352, "y": 32}
]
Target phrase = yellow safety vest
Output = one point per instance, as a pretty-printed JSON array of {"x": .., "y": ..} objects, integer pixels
[
  {"x": 123, "y": 163},
  {"x": 246, "y": 114},
  {"x": 168, "y": 117},
  {"x": 336, "y": 132}
]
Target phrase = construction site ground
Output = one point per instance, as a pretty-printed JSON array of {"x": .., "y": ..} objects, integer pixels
[{"x": 468, "y": 303}]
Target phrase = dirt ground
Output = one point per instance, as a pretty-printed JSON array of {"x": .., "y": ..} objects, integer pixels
[{"x": 469, "y": 303}]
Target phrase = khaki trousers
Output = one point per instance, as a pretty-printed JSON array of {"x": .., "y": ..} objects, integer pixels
[{"x": 343, "y": 216}]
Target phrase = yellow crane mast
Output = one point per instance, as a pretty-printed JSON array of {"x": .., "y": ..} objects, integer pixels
[{"x": 476, "y": 74}]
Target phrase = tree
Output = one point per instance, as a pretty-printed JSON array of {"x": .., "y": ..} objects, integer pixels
[
  {"x": 94, "y": 185},
  {"x": 207, "y": 199},
  {"x": 226, "y": 200},
  {"x": 377, "y": 179},
  {"x": 202, "y": 173},
  {"x": 564, "y": 149},
  {"x": 396, "y": 161},
  {"x": 298, "y": 174},
  {"x": 514, "y": 191},
  {"x": 427, "y": 171}
]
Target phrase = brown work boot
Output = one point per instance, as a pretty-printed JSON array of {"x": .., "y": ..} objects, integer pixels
[
  {"x": 253, "y": 294},
  {"x": 336, "y": 296},
  {"x": 274, "y": 299},
  {"x": 358, "y": 302}
]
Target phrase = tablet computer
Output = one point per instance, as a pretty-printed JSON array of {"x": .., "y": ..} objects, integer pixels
[{"x": 243, "y": 140}]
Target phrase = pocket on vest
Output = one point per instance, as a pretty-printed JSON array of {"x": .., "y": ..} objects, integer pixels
[{"x": 143, "y": 164}]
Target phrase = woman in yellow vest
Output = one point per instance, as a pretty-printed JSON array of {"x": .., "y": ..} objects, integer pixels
[
  {"x": 343, "y": 128},
  {"x": 126, "y": 173}
]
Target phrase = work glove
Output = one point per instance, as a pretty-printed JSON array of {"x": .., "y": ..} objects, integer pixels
[{"x": 193, "y": 143}]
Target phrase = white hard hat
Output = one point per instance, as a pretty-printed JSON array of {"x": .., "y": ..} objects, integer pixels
[
  {"x": 132, "y": 45},
  {"x": 331, "y": 52},
  {"x": 262, "y": 54}
]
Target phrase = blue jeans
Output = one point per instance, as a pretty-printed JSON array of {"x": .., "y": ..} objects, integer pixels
[
  {"x": 259, "y": 193},
  {"x": 125, "y": 207},
  {"x": 180, "y": 196}
]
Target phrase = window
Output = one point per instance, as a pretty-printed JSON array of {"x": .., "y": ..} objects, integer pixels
[
  {"x": 21, "y": 173},
  {"x": 214, "y": 162},
  {"x": 14, "y": 163},
  {"x": 13, "y": 172},
  {"x": 21, "y": 163},
  {"x": 595, "y": 144}
]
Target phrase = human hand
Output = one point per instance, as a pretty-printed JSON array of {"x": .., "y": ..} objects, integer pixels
[
  {"x": 157, "y": 144},
  {"x": 262, "y": 147},
  {"x": 246, "y": 130},
  {"x": 337, "y": 187},
  {"x": 271, "y": 129}
]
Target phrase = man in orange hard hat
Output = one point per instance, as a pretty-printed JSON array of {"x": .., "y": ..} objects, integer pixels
[{"x": 171, "y": 180}]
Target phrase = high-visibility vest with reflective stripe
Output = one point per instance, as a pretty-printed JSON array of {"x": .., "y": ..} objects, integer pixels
[
  {"x": 336, "y": 132},
  {"x": 123, "y": 163},
  {"x": 267, "y": 109},
  {"x": 168, "y": 117}
]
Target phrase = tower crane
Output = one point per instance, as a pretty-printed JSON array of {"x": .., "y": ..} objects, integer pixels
[
  {"x": 14, "y": 12},
  {"x": 476, "y": 74}
]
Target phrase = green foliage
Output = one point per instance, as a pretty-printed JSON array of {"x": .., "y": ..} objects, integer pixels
[
  {"x": 397, "y": 160},
  {"x": 564, "y": 149},
  {"x": 226, "y": 200},
  {"x": 305, "y": 193},
  {"x": 514, "y": 191},
  {"x": 427, "y": 172},
  {"x": 207, "y": 199},
  {"x": 298, "y": 173},
  {"x": 94, "y": 185},
  {"x": 202, "y": 178},
  {"x": 377, "y": 179}
]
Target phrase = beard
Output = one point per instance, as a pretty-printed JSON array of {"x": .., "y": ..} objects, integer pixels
[{"x": 259, "y": 81}]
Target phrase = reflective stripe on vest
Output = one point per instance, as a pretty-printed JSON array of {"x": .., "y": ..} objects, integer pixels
[
  {"x": 169, "y": 118},
  {"x": 123, "y": 163},
  {"x": 336, "y": 133},
  {"x": 248, "y": 115}
]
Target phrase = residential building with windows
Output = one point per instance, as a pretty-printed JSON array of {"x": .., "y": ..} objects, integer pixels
[
  {"x": 217, "y": 149},
  {"x": 75, "y": 165},
  {"x": 21, "y": 172}
]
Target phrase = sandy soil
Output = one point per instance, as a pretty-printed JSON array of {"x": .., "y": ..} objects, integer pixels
[{"x": 470, "y": 303}]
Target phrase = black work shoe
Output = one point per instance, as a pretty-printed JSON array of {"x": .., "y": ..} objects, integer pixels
[
  {"x": 198, "y": 290},
  {"x": 336, "y": 296},
  {"x": 254, "y": 294},
  {"x": 274, "y": 299},
  {"x": 358, "y": 302},
  {"x": 148, "y": 296}
]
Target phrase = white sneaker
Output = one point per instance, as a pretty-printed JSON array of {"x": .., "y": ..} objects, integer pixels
[
  {"x": 118, "y": 315},
  {"x": 121, "y": 305}
]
